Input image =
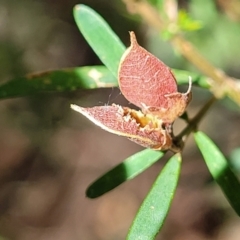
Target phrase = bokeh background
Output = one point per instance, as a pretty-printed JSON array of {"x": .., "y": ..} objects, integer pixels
[{"x": 50, "y": 154}]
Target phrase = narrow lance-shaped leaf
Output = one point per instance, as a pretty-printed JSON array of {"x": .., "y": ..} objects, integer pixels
[
  {"x": 105, "y": 43},
  {"x": 128, "y": 169},
  {"x": 58, "y": 81},
  {"x": 219, "y": 169},
  {"x": 155, "y": 207}
]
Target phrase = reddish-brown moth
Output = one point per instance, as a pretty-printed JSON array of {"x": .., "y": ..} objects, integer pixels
[{"x": 149, "y": 84}]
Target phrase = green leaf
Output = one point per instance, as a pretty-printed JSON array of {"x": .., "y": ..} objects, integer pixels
[
  {"x": 58, "y": 81},
  {"x": 182, "y": 77},
  {"x": 100, "y": 37},
  {"x": 126, "y": 170},
  {"x": 219, "y": 169},
  {"x": 154, "y": 209}
]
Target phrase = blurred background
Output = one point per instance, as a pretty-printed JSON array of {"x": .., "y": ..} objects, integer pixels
[{"x": 50, "y": 154}]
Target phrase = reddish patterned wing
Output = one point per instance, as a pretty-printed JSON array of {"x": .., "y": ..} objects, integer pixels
[
  {"x": 145, "y": 130},
  {"x": 143, "y": 79}
]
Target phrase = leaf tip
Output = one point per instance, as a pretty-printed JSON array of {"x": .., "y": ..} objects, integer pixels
[
  {"x": 90, "y": 193},
  {"x": 77, "y": 7}
]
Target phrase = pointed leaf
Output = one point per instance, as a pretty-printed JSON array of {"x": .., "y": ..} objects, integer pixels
[
  {"x": 58, "y": 81},
  {"x": 126, "y": 170},
  {"x": 99, "y": 36},
  {"x": 155, "y": 207},
  {"x": 219, "y": 169}
]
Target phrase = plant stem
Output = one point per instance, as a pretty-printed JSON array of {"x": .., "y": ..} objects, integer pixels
[
  {"x": 179, "y": 141},
  {"x": 193, "y": 123}
]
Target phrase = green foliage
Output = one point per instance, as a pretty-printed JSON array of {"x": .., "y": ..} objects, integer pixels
[
  {"x": 155, "y": 206},
  {"x": 219, "y": 169},
  {"x": 186, "y": 23},
  {"x": 108, "y": 47},
  {"x": 58, "y": 81},
  {"x": 126, "y": 170},
  {"x": 100, "y": 37}
]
